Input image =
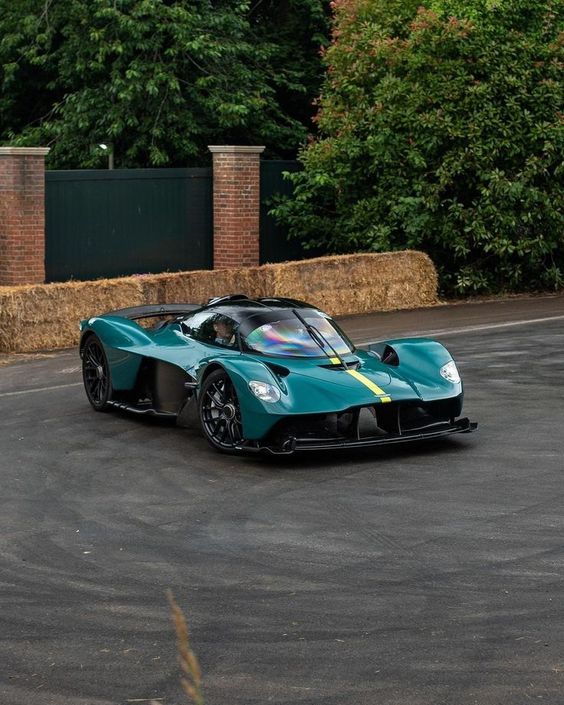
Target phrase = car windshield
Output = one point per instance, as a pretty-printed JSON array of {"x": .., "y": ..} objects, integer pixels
[{"x": 290, "y": 337}]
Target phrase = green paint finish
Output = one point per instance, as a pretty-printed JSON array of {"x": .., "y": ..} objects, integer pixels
[{"x": 312, "y": 386}]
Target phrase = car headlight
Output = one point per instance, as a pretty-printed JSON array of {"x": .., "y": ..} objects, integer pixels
[
  {"x": 264, "y": 391},
  {"x": 450, "y": 373}
]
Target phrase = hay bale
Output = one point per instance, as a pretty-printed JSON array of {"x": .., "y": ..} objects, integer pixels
[
  {"x": 351, "y": 284},
  {"x": 199, "y": 286},
  {"x": 46, "y": 316}
]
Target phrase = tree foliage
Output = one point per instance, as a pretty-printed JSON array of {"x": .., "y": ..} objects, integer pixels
[
  {"x": 159, "y": 79},
  {"x": 441, "y": 128}
]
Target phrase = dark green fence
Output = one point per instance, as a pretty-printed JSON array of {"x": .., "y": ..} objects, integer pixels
[
  {"x": 112, "y": 223},
  {"x": 274, "y": 243}
]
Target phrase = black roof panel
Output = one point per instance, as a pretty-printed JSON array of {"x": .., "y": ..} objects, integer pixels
[{"x": 239, "y": 307}]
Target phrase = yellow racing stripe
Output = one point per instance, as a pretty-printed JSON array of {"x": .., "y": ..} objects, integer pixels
[{"x": 380, "y": 393}]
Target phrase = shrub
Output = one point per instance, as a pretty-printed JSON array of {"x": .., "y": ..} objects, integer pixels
[{"x": 441, "y": 129}]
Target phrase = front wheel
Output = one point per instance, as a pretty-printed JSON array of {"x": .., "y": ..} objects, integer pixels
[
  {"x": 220, "y": 414},
  {"x": 96, "y": 374}
]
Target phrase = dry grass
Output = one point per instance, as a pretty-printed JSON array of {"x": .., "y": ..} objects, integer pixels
[
  {"x": 191, "y": 678},
  {"x": 23, "y": 357}
]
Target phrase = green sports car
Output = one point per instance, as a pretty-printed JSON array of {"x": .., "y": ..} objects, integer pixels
[{"x": 269, "y": 374}]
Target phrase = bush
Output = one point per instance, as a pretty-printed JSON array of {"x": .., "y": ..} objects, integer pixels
[
  {"x": 441, "y": 129},
  {"x": 158, "y": 79}
]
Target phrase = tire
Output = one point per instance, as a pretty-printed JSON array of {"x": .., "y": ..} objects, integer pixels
[
  {"x": 96, "y": 374},
  {"x": 220, "y": 414}
]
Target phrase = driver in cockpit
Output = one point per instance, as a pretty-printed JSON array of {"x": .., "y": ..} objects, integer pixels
[{"x": 224, "y": 331}]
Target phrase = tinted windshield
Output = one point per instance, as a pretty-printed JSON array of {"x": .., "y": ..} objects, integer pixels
[{"x": 290, "y": 337}]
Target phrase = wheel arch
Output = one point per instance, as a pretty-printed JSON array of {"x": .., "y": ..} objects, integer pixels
[
  {"x": 96, "y": 374},
  {"x": 211, "y": 367},
  {"x": 223, "y": 432},
  {"x": 84, "y": 339}
]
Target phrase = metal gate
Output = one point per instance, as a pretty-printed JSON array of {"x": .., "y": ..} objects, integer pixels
[
  {"x": 275, "y": 246},
  {"x": 131, "y": 221}
]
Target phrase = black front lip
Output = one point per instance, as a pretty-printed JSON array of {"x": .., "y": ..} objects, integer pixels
[{"x": 293, "y": 445}]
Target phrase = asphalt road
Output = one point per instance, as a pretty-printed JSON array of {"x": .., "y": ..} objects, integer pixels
[{"x": 422, "y": 575}]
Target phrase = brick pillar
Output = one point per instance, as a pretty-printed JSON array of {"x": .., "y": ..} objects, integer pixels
[
  {"x": 22, "y": 215},
  {"x": 236, "y": 206}
]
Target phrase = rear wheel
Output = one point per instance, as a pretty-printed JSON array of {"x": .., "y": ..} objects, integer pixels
[
  {"x": 96, "y": 374},
  {"x": 220, "y": 414}
]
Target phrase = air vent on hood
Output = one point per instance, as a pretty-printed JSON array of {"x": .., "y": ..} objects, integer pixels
[
  {"x": 351, "y": 365},
  {"x": 390, "y": 356},
  {"x": 278, "y": 370}
]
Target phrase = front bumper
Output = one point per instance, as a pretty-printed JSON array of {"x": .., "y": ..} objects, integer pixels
[
  {"x": 293, "y": 444},
  {"x": 364, "y": 427}
]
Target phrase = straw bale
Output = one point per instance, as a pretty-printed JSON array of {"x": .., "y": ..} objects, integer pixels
[
  {"x": 199, "y": 286},
  {"x": 46, "y": 316},
  {"x": 349, "y": 284}
]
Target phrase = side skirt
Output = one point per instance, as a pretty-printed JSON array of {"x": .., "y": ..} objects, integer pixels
[
  {"x": 186, "y": 418},
  {"x": 141, "y": 409}
]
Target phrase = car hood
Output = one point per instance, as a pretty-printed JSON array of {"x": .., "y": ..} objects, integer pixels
[{"x": 318, "y": 386}]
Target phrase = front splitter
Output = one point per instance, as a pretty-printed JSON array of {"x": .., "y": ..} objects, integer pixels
[{"x": 297, "y": 445}]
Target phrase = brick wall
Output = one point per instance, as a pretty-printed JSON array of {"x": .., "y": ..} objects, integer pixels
[
  {"x": 236, "y": 206},
  {"x": 236, "y": 210},
  {"x": 22, "y": 215}
]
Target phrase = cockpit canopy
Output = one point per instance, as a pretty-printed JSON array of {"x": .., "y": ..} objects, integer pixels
[{"x": 268, "y": 331}]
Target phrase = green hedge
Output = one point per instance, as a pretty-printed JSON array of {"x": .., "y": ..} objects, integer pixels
[{"x": 441, "y": 129}]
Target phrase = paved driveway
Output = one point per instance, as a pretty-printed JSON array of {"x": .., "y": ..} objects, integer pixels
[{"x": 426, "y": 575}]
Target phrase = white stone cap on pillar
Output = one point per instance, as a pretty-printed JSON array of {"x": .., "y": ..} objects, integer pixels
[
  {"x": 241, "y": 149},
  {"x": 24, "y": 151}
]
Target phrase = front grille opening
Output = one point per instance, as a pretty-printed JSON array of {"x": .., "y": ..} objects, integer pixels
[
  {"x": 362, "y": 423},
  {"x": 414, "y": 417},
  {"x": 388, "y": 417},
  {"x": 417, "y": 417}
]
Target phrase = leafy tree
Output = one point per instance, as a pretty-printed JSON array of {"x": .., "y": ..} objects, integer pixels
[
  {"x": 441, "y": 128},
  {"x": 159, "y": 79}
]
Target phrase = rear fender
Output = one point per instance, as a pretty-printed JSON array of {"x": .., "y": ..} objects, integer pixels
[
  {"x": 114, "y": 331},
  {"x": 117, "y": 335}
]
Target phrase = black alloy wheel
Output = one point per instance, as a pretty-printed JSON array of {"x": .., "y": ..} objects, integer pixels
[
  {"x": 96, "y": 374},
  {"x": 220, "y": 414}
]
